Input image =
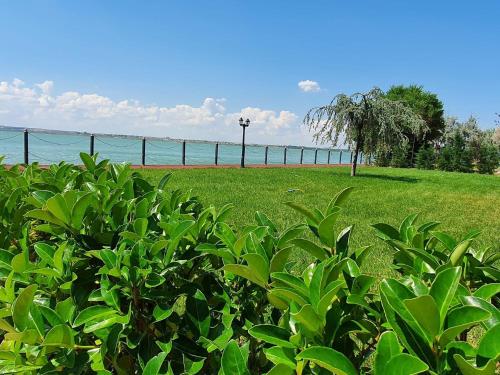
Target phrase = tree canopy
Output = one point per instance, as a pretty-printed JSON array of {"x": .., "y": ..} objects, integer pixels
[
  {"x": 368, "y": 121},
  {"x": 424, "y": 103}
]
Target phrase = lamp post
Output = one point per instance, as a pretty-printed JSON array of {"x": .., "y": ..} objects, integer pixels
[{"x": 243, "y": 124}]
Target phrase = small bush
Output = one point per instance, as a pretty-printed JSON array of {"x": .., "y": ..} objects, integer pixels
[
  {"x": 382, "y": 159},
  {"x": 457, "y": 156},
  {"x": 426, "y": 158},
  {"x": 488, "y": 159},
  {"x": 399, "y": 157}
]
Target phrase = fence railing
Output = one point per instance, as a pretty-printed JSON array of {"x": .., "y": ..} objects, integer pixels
[{"x": 36, "y": 145}]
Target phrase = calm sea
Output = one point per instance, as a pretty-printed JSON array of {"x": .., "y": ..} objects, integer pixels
[{"x": 55, "y": 147}]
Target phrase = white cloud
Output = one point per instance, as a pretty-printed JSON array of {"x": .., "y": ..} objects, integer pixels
[
  {"x": 309, "y": 86},
  {"x": 38, "y": 107}
]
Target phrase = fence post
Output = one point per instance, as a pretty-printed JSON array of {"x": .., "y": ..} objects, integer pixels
[
  {"x": 183, "y": 152},
  {"x": 143, "y": 151},
  {"x": 26, "y": 158},
  {"x": 284, "y": 156},
  {"x": 301, "y": 155},
  {"x": 328, "y": 162},
  {"x": 216, "y": 154},
  {"x": 315, "y": 156},
  {"x": 92, "y": 145},
  {"x": 340, "y": 157},
  {"x": 265, "y": 155}
]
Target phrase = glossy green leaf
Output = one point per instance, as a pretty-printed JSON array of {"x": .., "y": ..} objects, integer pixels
[
  {"x": 311, "y": 248},
  {"x": 245, "y": 272},
  {"x": 141, "y": 226},
  {"x": 93, "y": 313},
  {"x": 88, "y": 161},
  {"x": 271, "y": 334},
  {"x": 405, "y": 364},
  {"x": 279, "y": 259},
  {"x": 326, "y": 228},
  {"x": 460, "y": 319},
  {"x": 387, "y": 348},
  {"x": 328, "y": 296},
  {"x": 443, "y": 290},
  {"x": 258, "y": 265},
  {"x": 233, "y": 361},
  {"x": 329, "y": 359},
  {"x": 459, "y": 252},
  {"x": 57, "y": 206},
  {"x": 60, "y": 336},
  {"x": 467, "y": 368},
  {"x": 425, "y": 312},
  {"x": 79, "y": 209},
  {"x": 489, "y": 347},
  {"x": 485, "y": 305},
  {"x": 386, "y": 231},
  {"x": 339, "y": 199},
  {"x": 291, "y": 281},
  {"x": 342, "y": 243},
  {"x": 392, "y": 294},
  {"x": 487, "y": 291},
  {"x": 405, "y": 224},
  {"x": 154, "y": 364},
  {"x": 164, "y": 180},
  {"x": 308, "y": 318},
  {"x": 198, "y": 312},
  {"x": 21, "y": 307},
  {"x": 289, "y": 236},
  {"x": 288, "y": 294},
  {"x": 304, "y": 211},
  {"x": 445, "y": 239},
  {"x": 45, "y": 252},
  {"x": 279, "y": 355}
]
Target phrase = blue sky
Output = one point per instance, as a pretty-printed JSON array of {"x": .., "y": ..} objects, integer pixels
[{"x": 170, "y": 56}]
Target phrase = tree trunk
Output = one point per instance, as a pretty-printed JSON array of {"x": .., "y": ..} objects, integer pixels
[{"x": 355, "y": 160}]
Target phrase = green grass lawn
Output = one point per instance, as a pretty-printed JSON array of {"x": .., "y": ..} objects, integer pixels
[{"x": 461, "y": 202}]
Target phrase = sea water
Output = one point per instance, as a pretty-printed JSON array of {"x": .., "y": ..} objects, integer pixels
[{"x": 47, "y": 148}]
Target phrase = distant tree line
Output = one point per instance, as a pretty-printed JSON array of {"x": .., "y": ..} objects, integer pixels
[{"x": 405, "y": 127}]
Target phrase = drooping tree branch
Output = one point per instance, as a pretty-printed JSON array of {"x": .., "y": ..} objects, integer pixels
[{"x": 368, "y": 121}]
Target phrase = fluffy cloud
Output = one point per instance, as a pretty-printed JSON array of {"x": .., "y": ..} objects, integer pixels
[
  {"x": 38, "y": 107},
  {"x": 309, "y": 86}
]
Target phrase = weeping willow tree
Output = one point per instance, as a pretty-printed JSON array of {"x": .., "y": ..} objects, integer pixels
[{"x": 369, "y": 122}]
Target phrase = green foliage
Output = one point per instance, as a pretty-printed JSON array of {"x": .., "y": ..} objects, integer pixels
[
  {"x": 456, "y": 156},
  {"x": 426, "y": 158},
  {"x": 429, "y": 108},
  {"x": 102, "y": 272},
  {"x": 399, "y": 157},
  {"x": 447, "y": 287},
  {"x": 421, "y": 251},
  {"x": 382, "y": 158},
  {"x": 425, "y": 104},
  {"x": 489, "y": 158}
]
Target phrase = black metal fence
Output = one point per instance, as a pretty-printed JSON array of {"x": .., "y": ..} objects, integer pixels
[{"x": 51, "y": 147}]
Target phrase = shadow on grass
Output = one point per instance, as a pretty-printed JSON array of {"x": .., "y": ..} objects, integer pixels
[{"x": 410, "y": 180}]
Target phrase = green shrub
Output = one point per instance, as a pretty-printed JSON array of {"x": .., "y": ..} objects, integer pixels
[
  {"x": 399, "y": 157},
  {"x": 382, "y": 158},
  {"x": 426, "y": 158},
  {"x": 457, "y": 156},
  {"x": 488, "y": 158},
  {"x": 101, "y": 272}
]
